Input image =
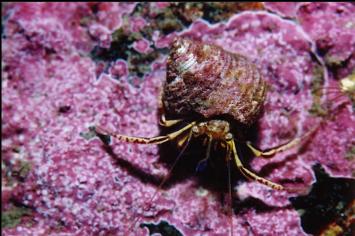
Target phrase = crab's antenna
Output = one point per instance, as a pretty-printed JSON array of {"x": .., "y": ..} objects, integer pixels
[{"x": 230, "y": 190}]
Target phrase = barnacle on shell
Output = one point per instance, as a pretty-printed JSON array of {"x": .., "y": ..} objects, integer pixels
[{"x": 207, "y": 80}]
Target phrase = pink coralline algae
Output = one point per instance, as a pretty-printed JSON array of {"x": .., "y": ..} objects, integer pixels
[
  {"x": 142, "y": 46},
  {"x": 332, "y": 27},
  {"x": 285, "y": 9},
  {"x": 119, "y": 69},
  {"x": 137, "y": 24},
  {"x": 69, "y": 66}
]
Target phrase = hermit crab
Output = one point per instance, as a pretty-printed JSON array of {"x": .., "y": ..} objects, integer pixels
[
  {"x": 212, "y": 92},
  {"x": 209, "y": 88}
]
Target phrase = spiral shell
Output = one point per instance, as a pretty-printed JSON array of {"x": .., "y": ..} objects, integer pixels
[{"x": 207, "y": 80}]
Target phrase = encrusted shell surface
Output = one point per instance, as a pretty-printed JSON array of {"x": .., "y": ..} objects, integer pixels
[{"x": 207, "y": 80}]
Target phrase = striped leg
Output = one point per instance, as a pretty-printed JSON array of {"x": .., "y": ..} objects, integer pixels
[
  {"x": 247, "y": 173},
  {"x": 269, "y": 153},
  {"x": 154, "y": 140},
  {"x": 167, "y": 123},
  {"x": 296, "y": 141}
]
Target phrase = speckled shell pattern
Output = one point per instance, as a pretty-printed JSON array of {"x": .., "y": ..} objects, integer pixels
[{"x": 207, "y": 80}]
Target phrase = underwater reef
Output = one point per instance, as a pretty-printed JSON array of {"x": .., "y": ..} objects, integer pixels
[{"x": 67, "y": 67}]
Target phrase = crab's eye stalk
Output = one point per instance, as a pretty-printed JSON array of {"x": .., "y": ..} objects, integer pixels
[
  {"x": 229, "y": 137},
  {"x": 195, "y": 130}
]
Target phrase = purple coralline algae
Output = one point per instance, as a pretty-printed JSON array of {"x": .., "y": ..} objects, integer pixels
[
  {"x": 331, "y": 26},
  {"x": 67, "y": 67},
  {"x": 283, "y": 9}
]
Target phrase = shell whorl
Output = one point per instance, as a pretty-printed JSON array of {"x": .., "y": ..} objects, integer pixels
[{"x": 205, "y": 79}]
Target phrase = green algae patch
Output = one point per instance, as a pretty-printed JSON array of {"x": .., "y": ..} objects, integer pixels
[
  {"x": 316, "y": 87},
  {"x": 350, "y": 154},
  {"x": 13, "y": 216}
]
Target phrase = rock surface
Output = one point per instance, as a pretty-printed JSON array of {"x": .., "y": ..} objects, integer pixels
[{"x": 69, "y": 66}]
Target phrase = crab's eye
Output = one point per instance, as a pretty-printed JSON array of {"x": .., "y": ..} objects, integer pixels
[
  {"x": 228, "y": 137},
  {"x": 195, "y": 130}
]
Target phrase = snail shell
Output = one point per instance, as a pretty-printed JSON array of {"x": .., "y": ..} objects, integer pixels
[{"x": 207, "y": 80}]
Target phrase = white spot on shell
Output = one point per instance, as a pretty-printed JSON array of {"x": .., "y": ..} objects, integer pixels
[
  {"x": 187, "y": 64},
  {"x": 206, "y": 48},
  {"x": 176, "y": 80},
  {"x": 201, "y": 192},
  {"x": 182, "y": 49}
]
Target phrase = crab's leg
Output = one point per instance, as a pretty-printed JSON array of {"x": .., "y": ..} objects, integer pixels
[
  {"x": 153, "y": 140},
  {"x": 163, "y": 121},
  {"x": 247, "y": 173},
  {"x": 272, "y": 151},
  {"x": 269, "y": 153},
  {"x": 168, "y": 123}
]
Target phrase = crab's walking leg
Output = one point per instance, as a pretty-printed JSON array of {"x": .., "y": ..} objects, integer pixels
[
  {"x": 273, "y": 151},
  {"x": 247, "y": 173},
  {"x": 168, "y": 123},
  {"x": 163, "y": 121},
  {"x": 269, "y": 153},
  {"x": 181, "y": 141},
  {"x": 154, "y": 140}
]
